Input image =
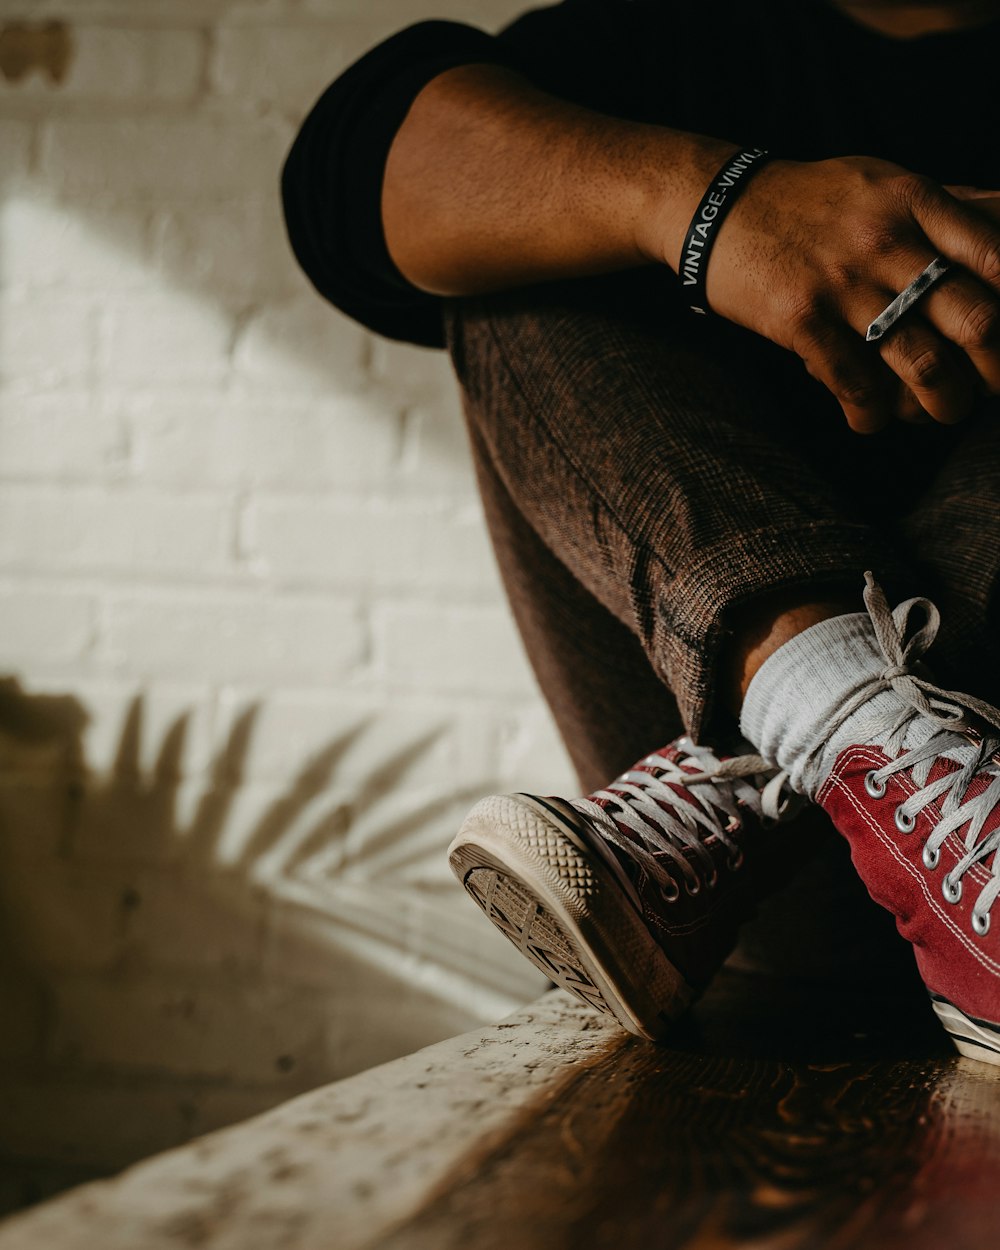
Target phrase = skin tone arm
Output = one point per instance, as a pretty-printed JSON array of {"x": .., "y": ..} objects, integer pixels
[{"x": 491, "y": 183}]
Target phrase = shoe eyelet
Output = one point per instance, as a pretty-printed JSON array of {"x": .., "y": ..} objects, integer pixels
[
  {"x": 735, "y": 862},
  {"x": 692, "y": 891},
  {"x": 981, "y": 923},
  {"x": 874, "y": 788},
  {"x": 712, "y": 881},
  {"x": 931, "y": 857},
  {"x": 904, "y": 822},
  {"x": 952, "y": 890}
]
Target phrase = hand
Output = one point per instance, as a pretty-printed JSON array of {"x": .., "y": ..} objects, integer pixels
[{"x": 812, "y": 252}]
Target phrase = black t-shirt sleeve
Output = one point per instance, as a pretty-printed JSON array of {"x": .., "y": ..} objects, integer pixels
[{"x": 332, "y": 179}]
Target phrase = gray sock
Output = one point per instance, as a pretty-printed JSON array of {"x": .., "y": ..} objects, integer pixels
[{"x": 796, "y": 693}]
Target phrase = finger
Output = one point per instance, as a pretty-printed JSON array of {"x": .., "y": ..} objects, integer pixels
[
  {"x": 971, "y": 193},
  {"x": 908, "y": 408},
  {"x": 939, "y": 376},
  {"x": 985, "y": 203},
  {"x": 853, "y": 374},
  {"x": 967, "y": 313},
  {"x": 931, "y": 368},
  {"x": 989, "y": 207},
  {"x": 957, "y": 230}
]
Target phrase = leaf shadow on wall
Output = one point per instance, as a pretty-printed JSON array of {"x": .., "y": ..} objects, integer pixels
[{"x": 159, "y": 932}]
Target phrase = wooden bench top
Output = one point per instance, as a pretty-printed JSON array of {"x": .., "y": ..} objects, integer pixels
[{"x": 779, "y": 1114}]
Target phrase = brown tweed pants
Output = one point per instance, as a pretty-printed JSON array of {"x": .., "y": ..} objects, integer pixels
[{"x": 645, "y": 472}]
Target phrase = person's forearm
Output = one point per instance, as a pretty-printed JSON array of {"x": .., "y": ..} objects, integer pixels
[{"x": 491, "y": 183}]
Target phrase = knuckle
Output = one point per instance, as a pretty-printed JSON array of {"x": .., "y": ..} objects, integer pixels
[
  {"x": 809, "y": 323},
  {"x": 981, "y": 326},
  {"x": 844, "y": 275},
  {"x": 914, "y": 191},
  {"x": 857, "y": 390},
  {"x": 928, "y": 368},
  {"x": 858, "y": 393},
  {"x": 880, "y": 237},
  {"x": 805, "y": 309},
  {"x": 987, "y": 261}
]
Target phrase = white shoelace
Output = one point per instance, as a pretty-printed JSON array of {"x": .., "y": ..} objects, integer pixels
[
  {"x": 665, "y": 833},
  {"x": 966, "y": 731}
]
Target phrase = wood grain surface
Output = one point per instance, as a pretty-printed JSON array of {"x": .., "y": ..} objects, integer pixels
[{"x": 779, "y": 1115}]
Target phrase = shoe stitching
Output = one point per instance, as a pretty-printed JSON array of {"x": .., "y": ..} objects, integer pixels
[
  {"x": 930, "y": 896},
  {"x": 952, "y": 841},
  {"x": 649, "y": 915},
  {"x": 682, "y": 930},
  {"x": 991, "y": 965}
]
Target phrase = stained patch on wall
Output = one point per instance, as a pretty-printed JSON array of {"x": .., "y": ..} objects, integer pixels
[{"x": 44, "y": 48}]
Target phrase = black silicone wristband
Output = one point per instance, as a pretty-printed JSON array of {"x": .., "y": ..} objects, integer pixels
[{"x": 723, "y": 192}]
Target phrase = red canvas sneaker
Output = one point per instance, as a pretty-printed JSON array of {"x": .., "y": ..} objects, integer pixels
[
  {"x": 630, "y": 898},
  {"x": 923, "y": 823}
]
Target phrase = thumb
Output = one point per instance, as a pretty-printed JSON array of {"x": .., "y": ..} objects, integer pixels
[{"x": 972, "y": 193}]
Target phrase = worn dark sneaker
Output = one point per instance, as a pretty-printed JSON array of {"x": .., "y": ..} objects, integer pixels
[
  {"x": 630, "y": 898},
  {"x": 918, "y": 799}
]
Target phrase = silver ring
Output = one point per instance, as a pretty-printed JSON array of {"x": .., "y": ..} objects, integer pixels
[{"x": 905, "y": 300}]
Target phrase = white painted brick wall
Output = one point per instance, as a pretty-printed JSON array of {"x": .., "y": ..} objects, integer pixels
[
  {"x": 117, "y": 66},
  {"x": 302, "y": 446},
  {"x": 372, "y": 543},
  {"x": 254, "y": 657},
  {"x": 58, "y": 438},
  {"x": 201, "y": 159},
  {"x": 162, "y": 338},
  {"x": 44, "y": 628},
  {"x": 292, "y": 639},
  {"x": 48, "y": 339},
  {"x": 68, "y": 529},
  {"x": 422, "y": 646},
  {"x": 44, "y": 246},
  {"x": 15, "y": 144}
]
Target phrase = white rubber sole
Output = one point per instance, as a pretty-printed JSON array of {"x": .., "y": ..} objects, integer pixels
[
  {"x": 975, "y": 1039},
  {"x": 533, "y": 876}
]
